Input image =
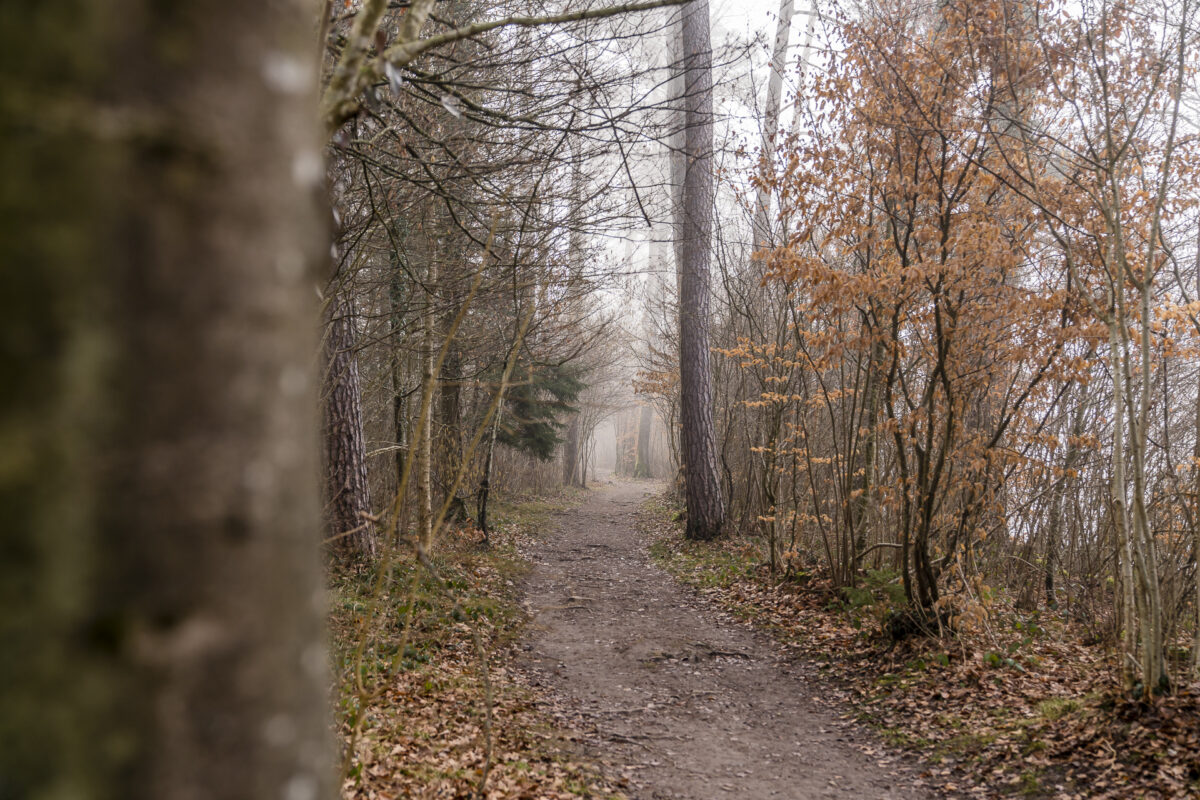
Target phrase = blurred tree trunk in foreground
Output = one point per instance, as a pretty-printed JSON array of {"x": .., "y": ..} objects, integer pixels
[{"x": 160, "y": 577}]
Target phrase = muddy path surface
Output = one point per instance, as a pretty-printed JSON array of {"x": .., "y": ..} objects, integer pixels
[{"x": 684, "y": 701}]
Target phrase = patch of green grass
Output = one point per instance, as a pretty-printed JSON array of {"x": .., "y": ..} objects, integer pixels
[
  {"x": 950, "y": 721},
  {"x": 576, "y": 786},
  {"x": 1031, "y": 784},
  {"x": 531, "y": 512},
  {"x": 889, "y": 680},
  {"x": 702, "y": 565},
  {"x": 898, "y": 737},
  {"x": 411, "y": 616},
  {"x": 1058, "y": 707},
  {"x": 965, "y": 745},
  {"x": 866, "y": 716},
  {"x": 1034, "y": 746}
]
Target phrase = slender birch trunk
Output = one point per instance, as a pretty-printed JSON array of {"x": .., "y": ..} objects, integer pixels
[
  {"x": 762, "y": 202},
  {"x": 1196, "y": 494},
  {"x": 429, "y": 354}
]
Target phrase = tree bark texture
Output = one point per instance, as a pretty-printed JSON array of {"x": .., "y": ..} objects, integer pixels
[
  {"x": 677, "y": 144},
  {"x": 396, "y": 296},
  {"x": 448, "y": 451},
  {"x": 572, "y": 473},
  {"x": 429, "y": 354},
  {"x": 642, "y": 468},
  {"x": 570, "y": 453},
  {"x": 705, "y": 506},
  {"x": 347, "y": 492},
  {"x": 160, "y": 582}
]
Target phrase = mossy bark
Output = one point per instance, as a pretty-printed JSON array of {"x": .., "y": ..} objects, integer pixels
[{"x": 159, "y": 570}]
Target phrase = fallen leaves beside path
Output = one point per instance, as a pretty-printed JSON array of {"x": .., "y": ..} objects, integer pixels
[
  {"x": 1021, "y": 707},
  {"x": 423, "y": 728}
]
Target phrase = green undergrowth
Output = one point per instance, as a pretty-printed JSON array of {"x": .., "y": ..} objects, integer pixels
[
  {"x": 1017, "y": 706},
  {"x": 699, "y": 564},
  {"x": 529, "y": 513},
  {"x": 412, "y": 613},
  {"x": 426, "y": 702}
]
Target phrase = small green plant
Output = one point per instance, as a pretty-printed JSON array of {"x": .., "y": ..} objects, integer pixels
[
  {"x": 1030, "y": 784},
  {"x": 857, "y": 597},
  {"x": 1029, "y": 627},
  {"x": 878, "y": 594},
  {"x": 995, "y": 660},
  {"x": 887, "y": 584}
]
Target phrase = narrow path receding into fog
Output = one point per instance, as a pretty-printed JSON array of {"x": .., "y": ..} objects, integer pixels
[{"x": 685, "y": 701}]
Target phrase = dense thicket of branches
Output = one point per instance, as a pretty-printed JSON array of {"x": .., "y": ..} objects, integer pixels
[
  {"x": 969, "y": 360},
  {"x": 463, "y": 187}
]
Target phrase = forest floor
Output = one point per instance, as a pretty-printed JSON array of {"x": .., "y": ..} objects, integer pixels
[
  {"x": 428, "y": 705},
  {"x": 681, "y": 699},
  {"x": 592, "y": 652},
  {"x": 1022, "y": 704}
]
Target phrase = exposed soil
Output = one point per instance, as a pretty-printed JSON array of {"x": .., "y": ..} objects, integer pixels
[{"x": 682, "y": 699}]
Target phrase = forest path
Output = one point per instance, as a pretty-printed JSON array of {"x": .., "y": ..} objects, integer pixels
[{"x": 686, "y": 703}]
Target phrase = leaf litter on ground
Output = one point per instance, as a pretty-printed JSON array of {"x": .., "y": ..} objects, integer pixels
[
  {"x": 1020, "y": 707},
  {"x": 419, "y": 698}
]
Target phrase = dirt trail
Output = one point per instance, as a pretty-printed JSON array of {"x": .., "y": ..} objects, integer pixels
[{"x": 687, "y": 703}]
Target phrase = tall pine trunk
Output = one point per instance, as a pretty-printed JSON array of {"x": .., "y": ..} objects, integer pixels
[
  {"x": 160, "y": 578},
  {"x": 347, "y": 492},
  {"x": 705, "y": 506}
]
